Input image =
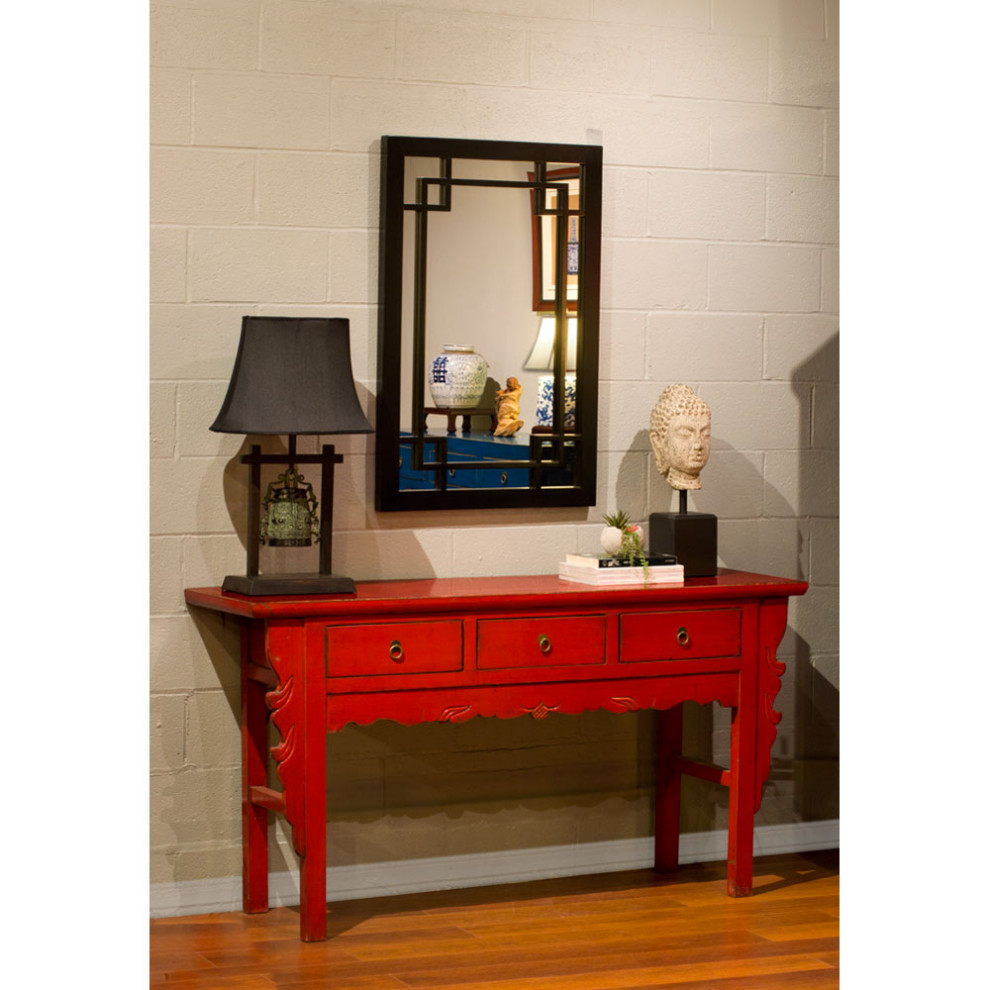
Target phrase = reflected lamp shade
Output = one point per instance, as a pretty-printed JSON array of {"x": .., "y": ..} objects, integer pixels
[
  {"x": 292, "y": 376},
  {"x": 541, "y": 356}
]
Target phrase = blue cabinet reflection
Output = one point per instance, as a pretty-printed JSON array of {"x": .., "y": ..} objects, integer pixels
[{"x": 474, "y": 448}]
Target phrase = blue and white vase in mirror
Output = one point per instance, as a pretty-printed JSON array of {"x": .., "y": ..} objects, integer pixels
[
  {"x": 544, "y": 401},
  {"x": 458, "y": 376}
]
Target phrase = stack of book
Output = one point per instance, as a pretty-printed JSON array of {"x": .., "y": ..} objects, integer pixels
[{"x": 597, "y": 569}]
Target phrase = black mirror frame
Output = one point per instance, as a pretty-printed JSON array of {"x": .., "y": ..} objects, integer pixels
[{"x": 388, "y": 496}]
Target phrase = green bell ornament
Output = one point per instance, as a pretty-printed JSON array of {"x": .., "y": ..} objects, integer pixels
[{"x": 290, "y": 518}]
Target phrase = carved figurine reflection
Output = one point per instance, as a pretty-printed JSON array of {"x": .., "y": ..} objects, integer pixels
[
  {"x": 507, "y": 408},
  {"x": 681, "y": 435}
]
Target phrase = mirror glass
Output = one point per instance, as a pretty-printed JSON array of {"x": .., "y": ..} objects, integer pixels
[{"x": 488, "y": 344}]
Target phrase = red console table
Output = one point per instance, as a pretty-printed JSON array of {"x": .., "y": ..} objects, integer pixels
[{"x": 447, "y": 650}]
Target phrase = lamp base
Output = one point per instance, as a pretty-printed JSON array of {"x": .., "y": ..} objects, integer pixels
[
  {"x": 289, "y": 584},
  {"x": 691, "y": 536}
]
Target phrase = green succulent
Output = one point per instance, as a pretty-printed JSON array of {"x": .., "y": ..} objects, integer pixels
[{"x": 618, "y": 519}]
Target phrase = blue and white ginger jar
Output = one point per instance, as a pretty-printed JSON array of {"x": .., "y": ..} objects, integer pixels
[
  {"x": 457, "y": 378},
  {"x": 544, "y": 401}
]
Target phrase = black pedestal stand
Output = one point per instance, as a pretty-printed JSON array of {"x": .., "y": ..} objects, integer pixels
[
  {"x": 691, "y": 536},
  {"x": 323, "y": 583}
]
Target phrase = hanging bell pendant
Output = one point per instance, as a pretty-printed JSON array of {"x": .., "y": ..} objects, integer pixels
[{"x": 290, "y": 512}]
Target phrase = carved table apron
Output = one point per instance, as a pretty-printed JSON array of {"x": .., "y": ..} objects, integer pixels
[{"x": 448, "y": 650}]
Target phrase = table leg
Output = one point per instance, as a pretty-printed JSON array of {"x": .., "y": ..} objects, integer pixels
[
  {"x": 299, "y": 712},
  {"x": 666, "y": 835},
  {"x": 254, "y": 773},
  {"x": 313, "y": 868},
  {"x": 313, "y": 865},
  {"x": 742, "y": 788}
]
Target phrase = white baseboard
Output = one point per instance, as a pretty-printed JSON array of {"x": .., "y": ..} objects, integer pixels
[{"x": 409, "y": 876}]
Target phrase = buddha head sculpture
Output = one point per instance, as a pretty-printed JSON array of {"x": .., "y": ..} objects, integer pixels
[{"x": 681, "y": 435}]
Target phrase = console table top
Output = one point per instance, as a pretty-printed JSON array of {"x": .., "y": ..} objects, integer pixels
[{"x": 508, "y": 592}]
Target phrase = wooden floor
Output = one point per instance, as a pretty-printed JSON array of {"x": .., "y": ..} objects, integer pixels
[{"x": 615, "y": 931}]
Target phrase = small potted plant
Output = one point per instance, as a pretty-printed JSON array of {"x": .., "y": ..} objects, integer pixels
[{"x": 620, "y": 538}]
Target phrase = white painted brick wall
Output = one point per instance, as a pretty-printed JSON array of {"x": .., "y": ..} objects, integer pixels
[
  {"x": 455, "y": 47},
  {"x": 227, "y": 264},
  {"x": 307, "y": 190},
  {"x": 590, "y": 58},
  {"x": 328, "y": 39},
  {"x": 719, "y": 122},
  {"x": 250, "y": 110},
  {"x": 762, "y": 277},
  {"x": 754, "y": 137},
  {"x": 696, "y": 65},
  {"x": 192, "y": 186},
  {"x": 205, "y": 34},
  {"x": 708, "y": 206},
  {"x": 650, "y": 274}
]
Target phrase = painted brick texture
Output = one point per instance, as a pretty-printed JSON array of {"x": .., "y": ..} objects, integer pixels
[{"x": 719, "y": 122}]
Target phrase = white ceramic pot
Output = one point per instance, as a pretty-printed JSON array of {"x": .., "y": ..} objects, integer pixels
[
  {"x": 457, "y": 377},
  {"x": 611, "y": 540}
]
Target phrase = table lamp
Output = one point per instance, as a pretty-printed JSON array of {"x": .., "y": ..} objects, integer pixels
[
  {"x": 541, "y": 359},
  {"x": 291, "y": 376}
]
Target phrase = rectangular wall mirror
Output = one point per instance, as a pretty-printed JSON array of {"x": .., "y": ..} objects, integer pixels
[{"x": 490, "y": 260}]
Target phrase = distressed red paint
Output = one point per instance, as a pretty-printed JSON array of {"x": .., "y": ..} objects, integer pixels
[{"x": 449, "y": 650}]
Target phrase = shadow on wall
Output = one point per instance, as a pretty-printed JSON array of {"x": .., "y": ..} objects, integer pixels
[
  {"x": 485, "y": 785},
  {"x": 781, "y": 532},
  {"x": 816, "y": 758},
  {"x": 738, "y": 493},
  {"x": 357, "y": 550},
  {"x": 804, "y": 769},
  {"x": 816, "y": 702}
]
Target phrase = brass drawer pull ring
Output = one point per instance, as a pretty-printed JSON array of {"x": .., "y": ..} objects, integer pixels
[
  {"x": 682, "y": 636},
  {"x": 395, "y": 651},
  {"x": 544, "y": 644}
]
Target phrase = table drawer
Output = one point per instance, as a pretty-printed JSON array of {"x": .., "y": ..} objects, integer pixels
[
  {"x": 562, "y": 641},
  {"x": 394, "y": 648},
  {"x": 689, "y": 635}
]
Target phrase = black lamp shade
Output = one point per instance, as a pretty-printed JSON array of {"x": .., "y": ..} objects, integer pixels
[{"x": 292, "y": 376}]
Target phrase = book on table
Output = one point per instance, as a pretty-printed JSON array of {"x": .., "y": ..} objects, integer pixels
[
  {"x": 605, "y": 560},
  {"x": 609, "y": 576}
]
